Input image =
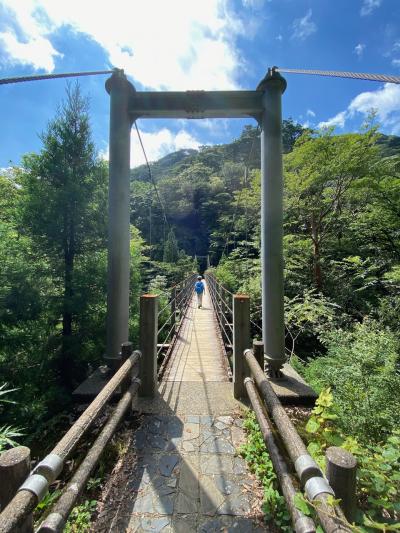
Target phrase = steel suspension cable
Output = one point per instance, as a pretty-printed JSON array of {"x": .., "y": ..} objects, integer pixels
[
  {"x": 386, "y": 78},
  {"x": 40, "y": 77},
  {"x": 152, "y": 177}
]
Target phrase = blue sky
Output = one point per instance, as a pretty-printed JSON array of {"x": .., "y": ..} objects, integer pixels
[{"x": 192, "y": 44}]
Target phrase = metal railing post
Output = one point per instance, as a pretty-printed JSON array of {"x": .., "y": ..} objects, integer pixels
[
  {"x": 148, "y": 344},
  {"x": 173, "y": 310},
  {"x": 241, "y": 341}
]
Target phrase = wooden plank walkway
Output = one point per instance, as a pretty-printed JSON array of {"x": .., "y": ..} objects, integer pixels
[{"x": 198, "y": 354}]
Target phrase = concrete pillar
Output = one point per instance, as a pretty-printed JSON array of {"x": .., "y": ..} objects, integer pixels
[
  {"x": 15, "y": 466},
  {"x": 341, "y": 470},
  {"x": 148, "y": 344},
  {"x": 120, "y": 91},
  {"x": 273, "y": 85},
  {"x": 241, "y": 341}
]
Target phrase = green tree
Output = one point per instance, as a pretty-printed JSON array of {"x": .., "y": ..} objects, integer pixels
[
  {"x": 319, "y": 173},
  {"x": 171, "y": 251},
  {"x": 63, "y": 189}
]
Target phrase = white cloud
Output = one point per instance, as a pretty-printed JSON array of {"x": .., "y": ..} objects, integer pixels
[
  {"x": 159, "y": 44},
  {"x": 368, "y": 6},
  {"x": 338, "y": 120},
  {"x": 304, "y": 27},
  {"x": 385, "y": 101},
  {"x": 310, "y": 113},
  {"x": 157, "y": 144},
  {"x": 359, "y": 49},
  {"x": 37, "y": 52},
  {"x": 396, "y": 62},
  {"x": 279, "y": 37}
]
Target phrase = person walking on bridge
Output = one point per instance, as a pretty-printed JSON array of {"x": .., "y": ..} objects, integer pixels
[{"x": 199, "y": 289}]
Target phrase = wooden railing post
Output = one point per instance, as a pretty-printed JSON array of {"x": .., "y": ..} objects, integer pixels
[
  {"x": 126, "y": 352},
  {"x": 241, "y": 341},
  {"x": 258, "y": 351},
  {"x": 148, "y": 344},
  {"x": 341, "y": 467},
  {"x": 15, "y": 465}
]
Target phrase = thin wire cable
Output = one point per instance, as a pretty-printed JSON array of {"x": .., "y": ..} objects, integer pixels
[
  {"x": 342, "y": 74},
  {"x": 39, "y": 77},
  {"x": 247, "y": 162},
  {"x": 151, "y": 177}
]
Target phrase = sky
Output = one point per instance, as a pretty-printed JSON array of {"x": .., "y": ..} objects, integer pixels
[{"x": 193, "y": 45}]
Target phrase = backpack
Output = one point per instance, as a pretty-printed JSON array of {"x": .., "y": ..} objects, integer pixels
[{"x": 199, "y": 287}]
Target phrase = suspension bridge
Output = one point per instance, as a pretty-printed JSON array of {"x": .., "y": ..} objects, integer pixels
[{"x": 192, "y": 372}]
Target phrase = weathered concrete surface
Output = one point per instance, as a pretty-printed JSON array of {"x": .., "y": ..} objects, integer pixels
[
  {"x": 208, "y": 398},
  {"x": 185, "y": 476},
  {"x": 291, "y": 389}
]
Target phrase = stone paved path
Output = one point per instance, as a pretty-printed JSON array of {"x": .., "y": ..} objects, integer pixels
[
  {"x": 186, "y": 477},
  {"x": 182, "y": 472}
]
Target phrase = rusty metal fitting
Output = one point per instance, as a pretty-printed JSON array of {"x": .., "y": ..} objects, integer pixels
[
  {"x": 37, "y": 485},
  {"x": 50, "y": 467},
  {"x": 306, "y": 468},
  {"x": 317, "y": 485}
]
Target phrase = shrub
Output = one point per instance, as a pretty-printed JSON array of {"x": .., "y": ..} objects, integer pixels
[{"x": 360, "y": 368}]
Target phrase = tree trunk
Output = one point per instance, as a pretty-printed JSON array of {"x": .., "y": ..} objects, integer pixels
[
  {"x": 316, "y": 253},
  {"x": 67, "y": 367}
]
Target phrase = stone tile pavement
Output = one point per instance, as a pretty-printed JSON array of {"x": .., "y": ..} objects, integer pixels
[{"x": 187, "y": 477}]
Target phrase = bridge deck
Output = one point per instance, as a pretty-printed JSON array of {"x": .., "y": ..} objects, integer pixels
[
  {"x": 198, "y": 354},
  {"x": 182, "y": 472}
]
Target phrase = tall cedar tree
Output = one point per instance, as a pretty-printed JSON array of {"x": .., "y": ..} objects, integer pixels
[{"x": 61, "y": 185}]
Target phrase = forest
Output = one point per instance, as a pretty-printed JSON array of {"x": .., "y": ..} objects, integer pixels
[{"x": 342, "y": 274}]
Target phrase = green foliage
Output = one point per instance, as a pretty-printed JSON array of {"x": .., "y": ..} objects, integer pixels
[
  {"x": 361, "y": 369},
  {"x": 80, "y": 518},
  {"x": 7, "y": 433},
  {"x": 309, "y": 315},
  {"x": 170, "y": 248},
  {"x": 256, "y": 454},
  {"x": 378, "y": 472},
  {"x": 7, "y": 436},
  {"x": 50, "y": 498}
]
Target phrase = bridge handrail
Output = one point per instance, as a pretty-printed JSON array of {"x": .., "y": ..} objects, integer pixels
[
  {"x": 178, "y": 303},
  {"x": 311, "y": 477},
  {"x": 36, "y": 485},
  {"x": 223, "y": 311}
]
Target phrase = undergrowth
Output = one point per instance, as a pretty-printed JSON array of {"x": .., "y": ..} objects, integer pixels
[
  {"x": 256, "y": 455},
  {"x": 378, "y": 471}
]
